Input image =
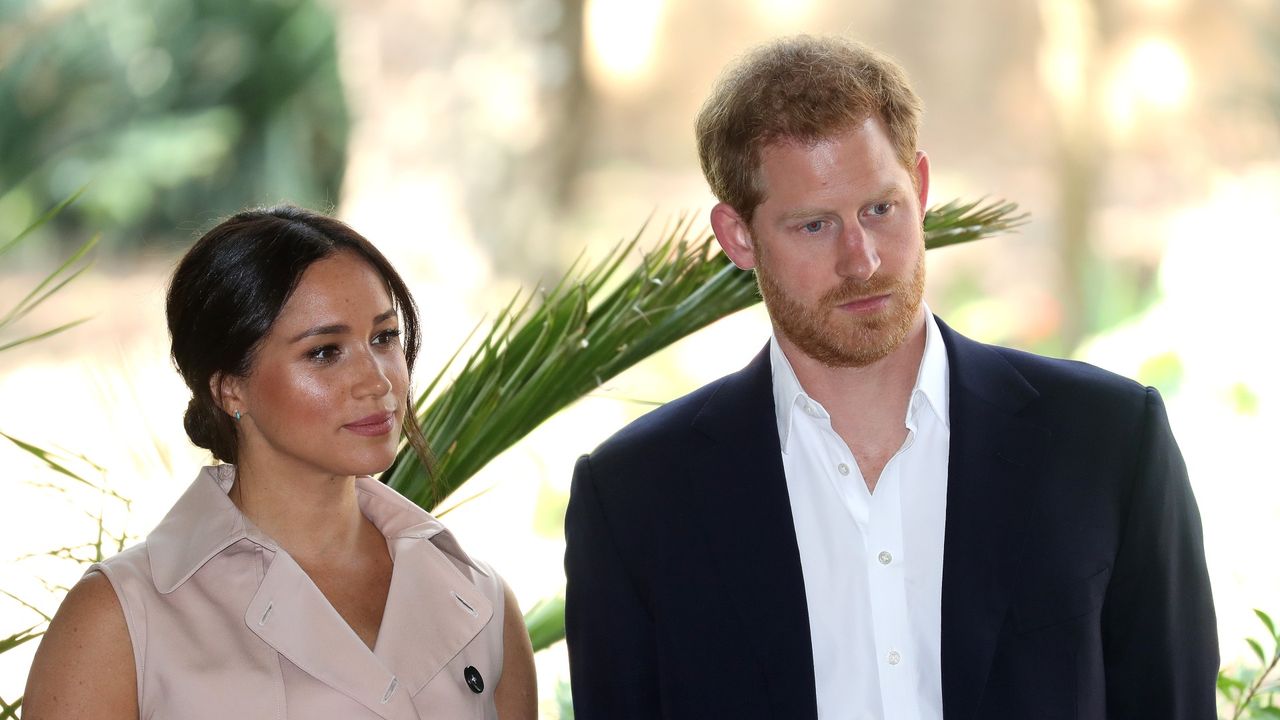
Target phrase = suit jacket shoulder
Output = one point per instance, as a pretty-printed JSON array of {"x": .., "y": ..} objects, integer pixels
[
  {"x": 666, "y": 438},
  {"x": 1062, "y": 396}
]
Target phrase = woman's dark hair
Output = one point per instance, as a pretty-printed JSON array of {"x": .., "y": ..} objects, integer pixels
[{"x": 231, "y": 286}]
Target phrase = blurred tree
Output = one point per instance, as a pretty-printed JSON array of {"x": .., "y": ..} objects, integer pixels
[
  {"x": 475, "y": 109},
  {"x": 170, "y": 111}
]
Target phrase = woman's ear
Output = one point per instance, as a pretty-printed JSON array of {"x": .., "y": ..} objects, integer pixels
[{"x": 228, "y": 393}]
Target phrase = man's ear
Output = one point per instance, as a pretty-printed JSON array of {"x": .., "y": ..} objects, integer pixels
[
  {"x": 228, "y": 393},
  {"x": 734, "y": 236},
  {"x": 922, "y": 181}
]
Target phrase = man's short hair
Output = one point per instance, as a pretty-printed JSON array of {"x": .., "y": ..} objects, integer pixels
[{"x": 802, "y": 89}]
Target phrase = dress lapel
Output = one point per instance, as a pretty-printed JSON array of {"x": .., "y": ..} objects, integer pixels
[
  {"x": 290, "y": 614},
  {"x": 432, "y": 613},
  {"x": 742, "y": 500},
  {"x": 993, "y": 458}
]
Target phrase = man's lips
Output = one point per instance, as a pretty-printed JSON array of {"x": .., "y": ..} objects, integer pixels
[
  {"x": 372, "y": 425},
  {"x": 865, "y": 304}
]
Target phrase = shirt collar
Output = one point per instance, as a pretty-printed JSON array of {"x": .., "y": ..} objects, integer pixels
[
  {"x": 933, "y": 379},
  {"x": 931, "y": 382},
  {"x": 204, "y": 522}
]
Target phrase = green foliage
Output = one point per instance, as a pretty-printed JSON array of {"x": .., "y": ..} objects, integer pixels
[
  {"x": 103, "y": 543},
  {"x": 545, "y": 621},
  {"x": 534, "y": 361},
  {"x": 177, "y": 110},
  {"x": 1163, "y": 371},
  {"x": 51, "y": 284},
  {"x": 1244, "y": 399},
  {"x": 69, "y": 270},
  {"x": 959, "y": 222},
  {"x": 1250, "y": 692}
]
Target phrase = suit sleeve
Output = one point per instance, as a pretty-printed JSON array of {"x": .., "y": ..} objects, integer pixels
[
  {"x": 610, "y": 634},
  {"x": 1160, "y": 639}
]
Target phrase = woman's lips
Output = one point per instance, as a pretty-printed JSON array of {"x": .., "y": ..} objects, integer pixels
[{"x": 372, "y": 425}]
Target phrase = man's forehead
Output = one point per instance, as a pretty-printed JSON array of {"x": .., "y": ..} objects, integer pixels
[{"x": 809, "y": 138}]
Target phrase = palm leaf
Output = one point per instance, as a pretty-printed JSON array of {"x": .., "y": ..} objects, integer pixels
[
  {"x": 538, "y": 358},
  {"x": 49, "y": 214},
  {"x": 545, "y": 622},
  {"x": 52, "y": 283},
  {"x": 20, "y": 637},
  {"x": 54, "y": 461}
]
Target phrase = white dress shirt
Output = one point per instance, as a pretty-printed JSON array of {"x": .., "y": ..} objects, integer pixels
[{"x": 872, "y": 562}]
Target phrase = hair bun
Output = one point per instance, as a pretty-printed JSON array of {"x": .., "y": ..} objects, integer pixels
[{"x": 199, "y": 422}]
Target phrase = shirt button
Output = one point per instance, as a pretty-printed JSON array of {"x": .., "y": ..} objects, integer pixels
[
  {"x": 844, "y": 469},
  {"x": 813, "y": 411},
  {"x": 884, "y": 557},
  {"x": 895, "y": 657}
]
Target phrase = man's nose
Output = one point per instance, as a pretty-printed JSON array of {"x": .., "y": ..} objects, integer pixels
[{"x": 857, "y": 257}]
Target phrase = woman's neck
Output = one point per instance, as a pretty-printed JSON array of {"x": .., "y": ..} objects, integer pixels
[{"x": 315, "y": 517}]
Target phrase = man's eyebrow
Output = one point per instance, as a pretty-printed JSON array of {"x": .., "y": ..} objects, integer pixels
[
  {"x": 803, "y": 214},
  {"x": 889, "y": 192},
  {"x": 340, "y": 329}
]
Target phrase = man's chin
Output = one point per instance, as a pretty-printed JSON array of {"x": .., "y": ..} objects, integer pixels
[{"x": 853, "y": 344}]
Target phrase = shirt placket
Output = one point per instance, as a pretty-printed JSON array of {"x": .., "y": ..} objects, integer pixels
[{"x": 886, "y": 572}]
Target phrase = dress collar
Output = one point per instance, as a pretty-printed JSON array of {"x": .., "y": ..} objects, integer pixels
[{"x": 204, "y": 522}]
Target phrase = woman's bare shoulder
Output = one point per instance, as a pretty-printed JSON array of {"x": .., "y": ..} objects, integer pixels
[
  {"x": 84, "y": 665},
  {"x": 517, "y": 693}
]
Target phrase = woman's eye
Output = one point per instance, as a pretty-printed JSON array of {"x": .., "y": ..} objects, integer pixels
[
  {"x": 387, "y": 336},
  {"x": 324, "y": 353}
]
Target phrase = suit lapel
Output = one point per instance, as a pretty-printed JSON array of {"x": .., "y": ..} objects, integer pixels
[
  {"x": 743, "y": 503},
  {"x": 993, "y": 460}
]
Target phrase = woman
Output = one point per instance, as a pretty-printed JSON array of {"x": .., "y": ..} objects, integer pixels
[{"x": 287, "y": 582}]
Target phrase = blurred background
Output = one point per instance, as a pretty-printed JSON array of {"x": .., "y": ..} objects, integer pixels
[{"x": 485, "y": 145}]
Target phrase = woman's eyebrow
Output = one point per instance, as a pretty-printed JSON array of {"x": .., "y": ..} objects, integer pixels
[
  {"x": 322, "y": 330},
  {"x": 339, "y": 329}
]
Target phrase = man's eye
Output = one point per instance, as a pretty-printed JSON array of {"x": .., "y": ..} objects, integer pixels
[
  {"x": 881, "y": 208},
  {"x": 812, "y": 227}
]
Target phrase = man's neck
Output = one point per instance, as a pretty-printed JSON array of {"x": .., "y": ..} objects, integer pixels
[{"x": 868, "y": 405}]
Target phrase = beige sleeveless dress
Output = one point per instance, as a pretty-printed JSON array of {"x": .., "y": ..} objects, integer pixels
[{"x": 225, "y": 624}]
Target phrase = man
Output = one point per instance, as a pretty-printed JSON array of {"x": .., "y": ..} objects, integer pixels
[{"x": 877, "y": 517}]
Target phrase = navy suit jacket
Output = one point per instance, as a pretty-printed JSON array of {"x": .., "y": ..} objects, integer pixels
[{"x": 1074, "y": 582}]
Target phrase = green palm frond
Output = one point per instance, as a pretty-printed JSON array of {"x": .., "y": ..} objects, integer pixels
[
  {"x": 539, "y": 357},
  {"x": 958, "y": 222},
  {"x": 52, "y": 283},
  {"x": 545, "y": 621},
  {"x": 20, "y": 637}
]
